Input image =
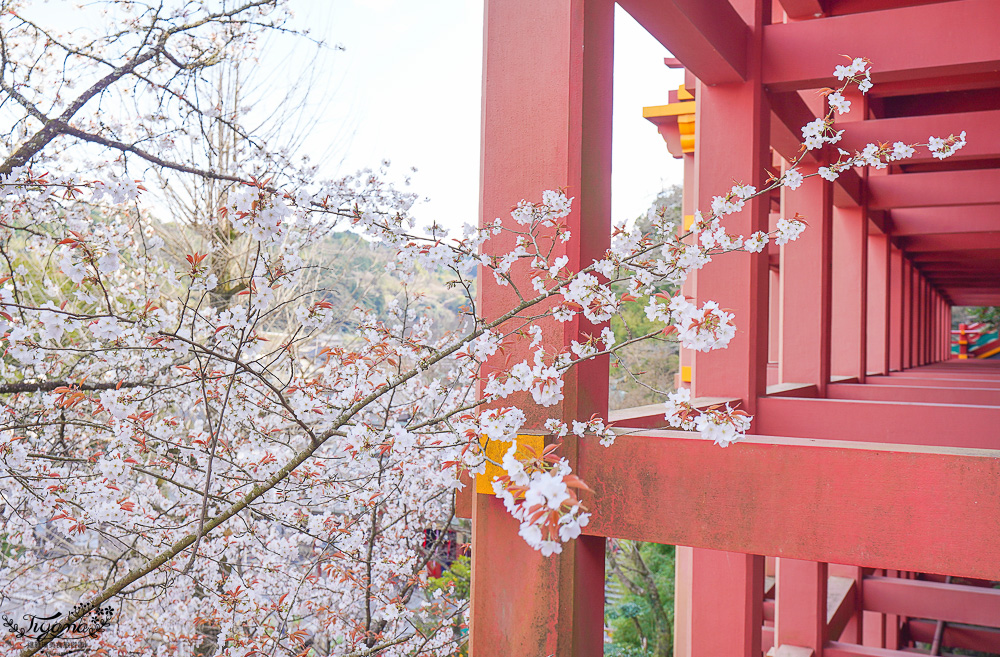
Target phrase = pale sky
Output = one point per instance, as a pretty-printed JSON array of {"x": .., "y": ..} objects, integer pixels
[{"x": 407, "y": 88}]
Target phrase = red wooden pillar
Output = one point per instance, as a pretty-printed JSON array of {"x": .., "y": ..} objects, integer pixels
[
  {"x": 928, "y": 348},
  {"x": 547, "y": 85},
  {"x": 939, "y": 316},
  {"x": 924, "y": 323},
  {"x": 923, "y": 319},
  {"x": 911, "y": 349},
  {"x": 863, "y": 301},
  {"x": 944, "y": 341},
  {"x": 805, "y": 286},
  {"x": 727, "y": 590},
  {"x": 920, "y": 306},
  {"x": 800, "y": 610},
  {"x": 944, "y": 331},
  {"x": 887, "y": 308},
  {"x": 733, "y": 128},
  {"x": 896, "y": 319},
  {"x": 904, "y": 315},
  {"x": 873, "y": 625},
  {"x": 849, "y": 258},
  {"x": 933, "y": 317},
  {"x": 878, "y": 290}
]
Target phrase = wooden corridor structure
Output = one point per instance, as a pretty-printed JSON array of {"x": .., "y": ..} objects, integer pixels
[{"x": 863, "y": 513}]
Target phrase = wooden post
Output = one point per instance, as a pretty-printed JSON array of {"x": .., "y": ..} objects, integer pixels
[
  {"x": 878, "y": 289},
  {"x": 887, "y": 307},
  {"x": 800, "y": 613},
  {"x": 848, "y": 235},
  {"x": 547, "y": 87},
  {"x": 733, "y": 126},
  {"x": 805, "y": 287},
  {"x": 896, "y": 324}
]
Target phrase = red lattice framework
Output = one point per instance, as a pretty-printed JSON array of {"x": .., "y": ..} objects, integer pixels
[{"x": 872, "y": 472}]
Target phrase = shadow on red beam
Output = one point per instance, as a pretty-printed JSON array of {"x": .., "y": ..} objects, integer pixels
[
  {"x": 921, "y": 394},
  {"x": 914, "y": 508},
  {"x": 880, "y": 422}
]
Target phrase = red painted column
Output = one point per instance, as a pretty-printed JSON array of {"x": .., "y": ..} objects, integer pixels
[
  {"x": 925, "y": 296},
  {"x": 863, "y": 301},
  {"x": 920, "y": 307},
  {"x": 904, "y": 314},
  {"x": 940, "y": 326},
  {"x": 947, "y": 330},
  {"x": 732, "y": 129},
  {"x": 933, "y": 316},
  {"x": 683, "y": 584},
  {"x": 733, "y": 138},
  {"x": 898, "y": 303},
  {"x": 547, "y": 84},
  {"x": 848, "y": 267},
  {"x": 944, "y": 337},
  {"x": 878, "y": 289},
  {"x": 911, "y": 312},
  {"x": 873, "y": 625},
  {"x": 805, "y": 287},
  {"x": 800, "y": 609},
  {"x": 727, "y": 590},
  {"x": 942, "y": 330},
  {"x": 887, "y": 308}
]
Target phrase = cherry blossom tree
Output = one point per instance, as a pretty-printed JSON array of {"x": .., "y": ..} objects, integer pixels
[{"x": 231, "y": 481}]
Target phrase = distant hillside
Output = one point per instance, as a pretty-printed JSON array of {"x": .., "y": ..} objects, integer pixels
[{"x": 353, "y": 273}]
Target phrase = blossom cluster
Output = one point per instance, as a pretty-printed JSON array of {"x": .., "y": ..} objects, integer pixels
[{"x": 539, "y": 492}]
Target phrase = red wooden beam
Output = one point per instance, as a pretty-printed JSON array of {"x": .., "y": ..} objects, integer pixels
[
  {"x": 914, "y": 508},
  {"x": 947, "y": 219},
  {"x": 881, "y": 422},
  {"x": 958, "y": 259},
  {"x": 802, "y": 9},
  {"x": 916, "y": 394},
  {"x": 935, "y": 189},
  {"x": 842, "y": 7},
  {"x": 954, "y": 38},
  {"x": 957, "y": 603},
  {"x": 790, "y": 112},
  {"x": 950, "y": 241},
  {"x": 707, "y": 36},
  {"x": 982, "y": 135}
]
